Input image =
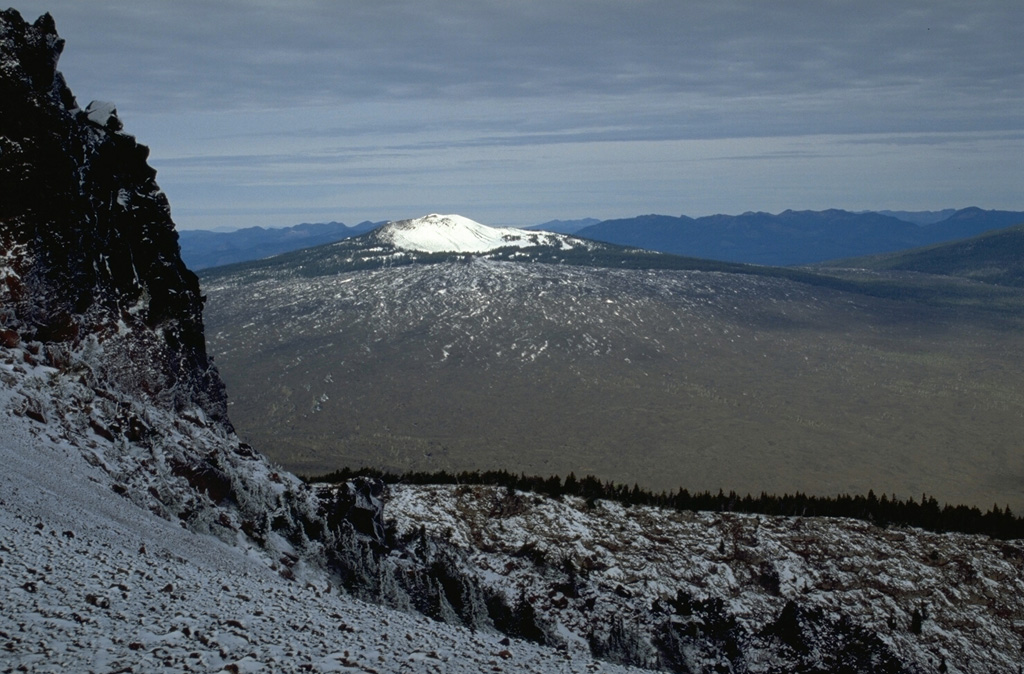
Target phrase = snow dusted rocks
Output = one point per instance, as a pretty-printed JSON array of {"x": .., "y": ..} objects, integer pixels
[
  {"x": 102, "y": 322},
  {"x": 103, "y": 114},
  {"x": 93, "y": 583},
  {"x": 706, "y": 592}
]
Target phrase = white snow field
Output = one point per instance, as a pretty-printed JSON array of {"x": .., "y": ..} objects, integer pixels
[{"x": 457, "y": 234}]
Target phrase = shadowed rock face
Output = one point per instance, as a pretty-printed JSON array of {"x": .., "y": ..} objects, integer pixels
[{"x": 87, "y": 234}]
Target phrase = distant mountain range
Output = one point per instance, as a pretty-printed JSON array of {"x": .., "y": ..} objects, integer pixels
[
  {"x": 788, "y": 238},
  {"x": 793, "y": 237},
  {"x": 201, "y": 249},
  {"x": 444, "y": 238},
  {"x": 919, "y": 217}
]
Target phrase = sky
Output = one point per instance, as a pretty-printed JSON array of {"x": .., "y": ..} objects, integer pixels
[{"x": 516, "y": 112}]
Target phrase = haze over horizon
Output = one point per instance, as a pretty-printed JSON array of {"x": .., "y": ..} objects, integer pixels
[{"x": 273, "y": 113}]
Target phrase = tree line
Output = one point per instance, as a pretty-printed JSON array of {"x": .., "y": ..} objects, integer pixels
[{"x": 882, "y": 510}]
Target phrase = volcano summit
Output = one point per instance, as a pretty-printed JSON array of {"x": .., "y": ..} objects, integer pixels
[{"x": 457, "y": 234}]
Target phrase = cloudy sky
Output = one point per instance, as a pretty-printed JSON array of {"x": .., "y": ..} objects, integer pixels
[{"x": 514, "y": 112}]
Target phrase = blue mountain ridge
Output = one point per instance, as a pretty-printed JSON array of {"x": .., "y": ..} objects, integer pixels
[
  {"x": 783, "y": 239},
  {"x": 792, "y": 237}
]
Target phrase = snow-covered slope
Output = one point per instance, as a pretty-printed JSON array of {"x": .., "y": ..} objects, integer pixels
[
  {"x": 93, "y": 582},
  {"x": 457, "y": 234}
]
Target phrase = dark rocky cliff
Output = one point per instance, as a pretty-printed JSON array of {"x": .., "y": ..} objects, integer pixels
[{"x": 90, "y": 247}]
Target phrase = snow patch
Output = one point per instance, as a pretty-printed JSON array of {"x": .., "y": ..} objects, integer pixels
[
  {"x": 457, "y": 234},
  {"x": 101, "y": 112}
]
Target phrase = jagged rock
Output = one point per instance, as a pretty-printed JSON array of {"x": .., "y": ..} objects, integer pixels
[
  {"x": 103, "y": 114},
  {"x": 357, "y": 502},
  {"x": 90, "y": 248},
  {"x": 94, "y": 291}
]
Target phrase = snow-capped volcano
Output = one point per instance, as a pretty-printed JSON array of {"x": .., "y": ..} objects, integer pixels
[
  {"x": 457, "y": 234},
  {"x": 437, "y": 238}
]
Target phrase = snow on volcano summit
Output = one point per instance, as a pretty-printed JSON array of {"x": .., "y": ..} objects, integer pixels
[{"x": 457, "y": 234}]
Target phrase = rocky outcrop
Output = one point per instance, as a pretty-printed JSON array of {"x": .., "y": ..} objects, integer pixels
[
  {"x": 89, "y": 248},
  {"x": 724, "y": 592},
  {"x": 101, "y": 328}
]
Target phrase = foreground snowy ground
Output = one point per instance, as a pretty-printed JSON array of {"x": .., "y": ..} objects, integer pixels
[{"x": 93, "y": 583}]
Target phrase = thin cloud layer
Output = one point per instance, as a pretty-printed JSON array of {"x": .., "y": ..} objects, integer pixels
[{"x": 414, "y": 93}]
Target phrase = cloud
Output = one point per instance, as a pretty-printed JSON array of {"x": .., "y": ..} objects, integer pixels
[
  {"x": 242, "y": 55},
  {"x": 354, "y": 95}
]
